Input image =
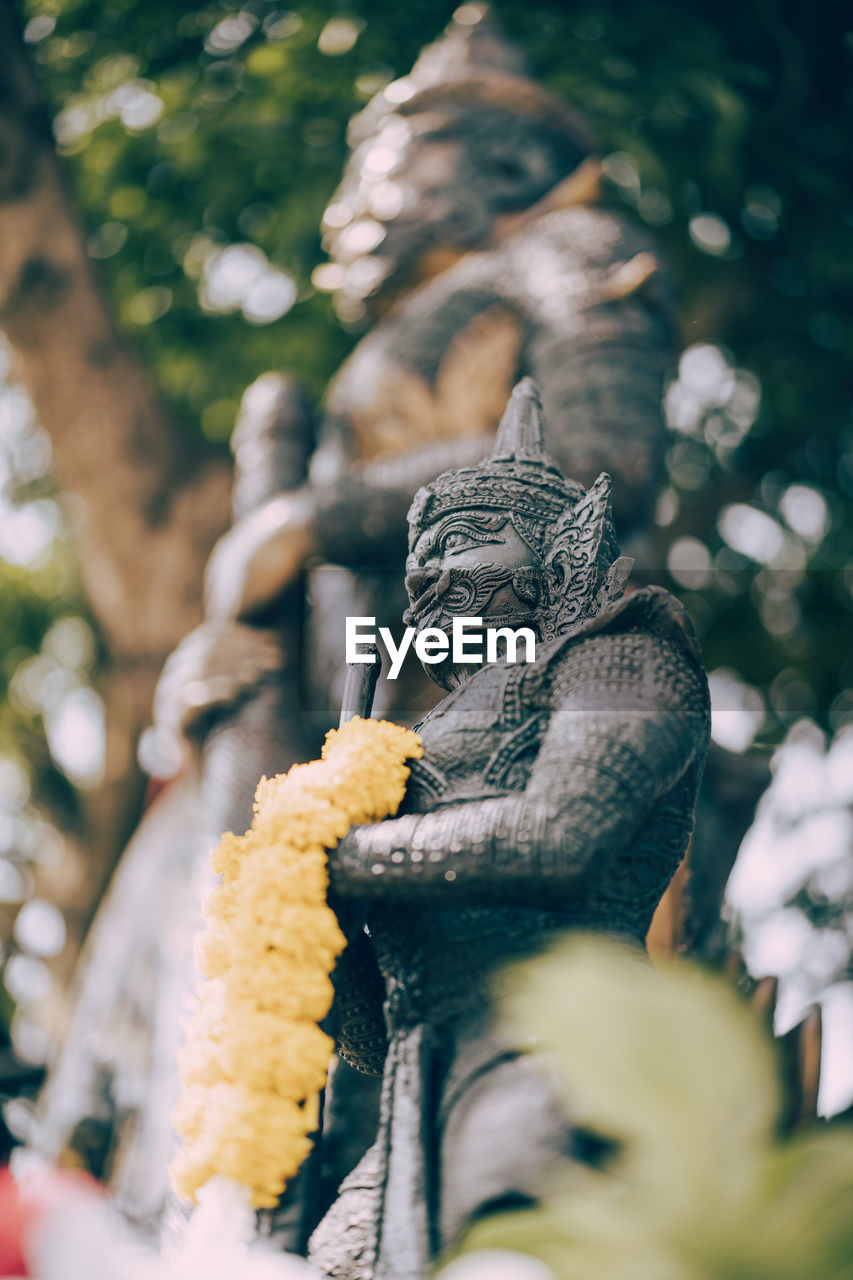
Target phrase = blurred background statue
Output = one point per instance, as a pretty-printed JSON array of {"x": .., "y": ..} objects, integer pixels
[{"x": 466, "y": 231}]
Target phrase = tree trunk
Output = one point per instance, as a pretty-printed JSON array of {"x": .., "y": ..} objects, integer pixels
[{"x": 145, "y": 508}]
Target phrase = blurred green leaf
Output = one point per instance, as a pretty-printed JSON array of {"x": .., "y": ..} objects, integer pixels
[{"x": 670, "y": 1064}]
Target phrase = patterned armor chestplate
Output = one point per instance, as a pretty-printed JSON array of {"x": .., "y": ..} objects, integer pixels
[
  {"x": 437, "y": 961},
  {"x": 471, "y": 741}
]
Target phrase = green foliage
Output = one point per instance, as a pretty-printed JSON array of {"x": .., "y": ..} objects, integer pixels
[{"x": 672, "y": 1066}]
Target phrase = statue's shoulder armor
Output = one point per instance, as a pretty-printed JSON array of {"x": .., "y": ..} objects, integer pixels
[
  {"x": 562, "y": 263},
  {"x": 587, "y": 236},
  {"x": 652, "y": 610},
  {"x": 649, "y": 611}
]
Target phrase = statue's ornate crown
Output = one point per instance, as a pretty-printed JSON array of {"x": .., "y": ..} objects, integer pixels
[{"x": 472, "y": 63}]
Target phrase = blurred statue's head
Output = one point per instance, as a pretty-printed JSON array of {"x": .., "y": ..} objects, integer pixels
[
  {"x": 512, "y": 540},
  {"x": 441, "y": 159}
]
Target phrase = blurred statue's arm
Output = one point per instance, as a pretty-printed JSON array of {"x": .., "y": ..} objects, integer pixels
[
  {"x": 355, "y": 518},
  {"x": 256, "y": 560},
  {"x": 629, "y": 716},
  {"x": 600, "y": 346},
  {"x": 211, "y": 668}
]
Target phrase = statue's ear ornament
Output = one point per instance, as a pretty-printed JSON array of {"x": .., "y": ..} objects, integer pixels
[
  {"x": 583, "y": 565},
  {"x": 584, "y": 527}
]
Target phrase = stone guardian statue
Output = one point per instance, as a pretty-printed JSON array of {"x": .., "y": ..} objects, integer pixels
[{"x": 553, "y": 795}]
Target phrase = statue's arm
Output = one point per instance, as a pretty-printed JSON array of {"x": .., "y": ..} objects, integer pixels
[
  {"x": 600, "y": 346},
  {"x": 629, "y": 716}
]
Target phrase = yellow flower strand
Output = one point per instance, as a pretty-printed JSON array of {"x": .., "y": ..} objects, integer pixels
[{"x": 255, "y": 1059}]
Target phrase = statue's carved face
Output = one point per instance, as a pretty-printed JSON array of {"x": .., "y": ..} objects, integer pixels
[
  {"x": 464, "y": 568},
  {"x": 429, "y": 186}
]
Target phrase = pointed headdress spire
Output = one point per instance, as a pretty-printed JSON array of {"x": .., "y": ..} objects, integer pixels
[
  {"x": 521, "y": 434},
  {"x": 472, "y": 44},
  {"x": 472, "y": 62}
]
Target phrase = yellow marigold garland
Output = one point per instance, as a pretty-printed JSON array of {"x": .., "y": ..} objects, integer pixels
[{"x": 255, "y": 1059}]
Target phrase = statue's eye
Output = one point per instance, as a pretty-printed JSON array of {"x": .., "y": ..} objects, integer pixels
[{"x": 456, "y": 542}]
